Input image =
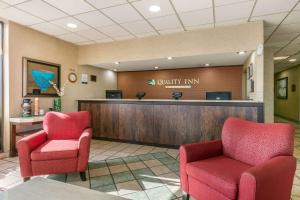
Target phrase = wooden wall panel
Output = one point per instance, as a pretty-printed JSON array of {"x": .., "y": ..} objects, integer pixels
[
  {"x": 227, "y": 78},
  {"x": 165, "y": 123}
]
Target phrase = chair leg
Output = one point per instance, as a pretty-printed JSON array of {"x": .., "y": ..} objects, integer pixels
[
  {"x": 66, "y": 177},
  {"x": 26, "y": 179},
  {"x": 82, "y": 176},
  {"x": 187, "y": 197},
  {"x": 88, "y": 168}
]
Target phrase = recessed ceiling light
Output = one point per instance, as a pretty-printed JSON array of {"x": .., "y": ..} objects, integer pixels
[
  {"x": 71, "y": 25},
  {"x": 170, "y": 58},
  {"x": 117, "y": 62},
  {"x": 207, "y": 65},
  {"x": 241, "y": 52},
  {"x": 280, "y": 57},
  {"x": 156, "y": 67},
  {"x": 154, "y": 8},
  {"x": 115, "y": 70},
  {"x": 293, "y": 60}
]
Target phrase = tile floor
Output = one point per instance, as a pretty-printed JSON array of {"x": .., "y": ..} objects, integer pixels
[{"x": 131, "y": 170}]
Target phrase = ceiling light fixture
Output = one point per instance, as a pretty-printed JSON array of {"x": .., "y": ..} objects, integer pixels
[
  {"x": 117, "y": 62},
  {"x": 241, "y": 52},
  {"x": 293, "y": 60},
  {"x": 170, "y": 58},
  {"x": 154, "y": 8},
  {"x": 115, "y": 70},
  {"x": 71, "y": 25},
  {"x": 280, "y": 57},
  {"x": 207, "y": 65},
  {"x": 155, "y": 67}
]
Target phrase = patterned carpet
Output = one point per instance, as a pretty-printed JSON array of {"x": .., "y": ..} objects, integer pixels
[{"x": 151, "y": 176}]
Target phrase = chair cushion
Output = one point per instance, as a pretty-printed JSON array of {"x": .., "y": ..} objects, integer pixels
[
  {"x": 220, "y": 173},
  {"x": 56, "y": 150}
]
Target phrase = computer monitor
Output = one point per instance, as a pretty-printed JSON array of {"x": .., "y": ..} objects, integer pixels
[
  {"x": 114, "y": 94},
  {"x": 218, "y": 95}
]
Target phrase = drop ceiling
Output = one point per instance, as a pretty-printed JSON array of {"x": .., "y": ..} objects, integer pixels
[
  {"x": 101, "y": 21},
  {"x": 225, "y": 59}
]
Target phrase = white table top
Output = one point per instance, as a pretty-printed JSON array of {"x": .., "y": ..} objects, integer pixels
[
  {"x": 46, "y": 189},
  {"x": 26, "y": 119}
]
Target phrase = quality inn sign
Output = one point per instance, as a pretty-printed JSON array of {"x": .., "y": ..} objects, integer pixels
[{"x": 175, "y": 83}]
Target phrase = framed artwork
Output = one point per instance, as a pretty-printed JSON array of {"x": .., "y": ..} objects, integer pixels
[
  {"x": 250, "y": 71},
  {"x": 37, "y": 75},
  {"x": 282, "y": 88}
]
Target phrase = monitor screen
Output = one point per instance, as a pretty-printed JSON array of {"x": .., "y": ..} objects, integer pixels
[
  {"x": 218, "y": 95},
  {"x": 114, "y": 94}
]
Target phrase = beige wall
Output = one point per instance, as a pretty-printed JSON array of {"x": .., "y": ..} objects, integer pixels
[
  {"x": 269, "y": 85},
  {"x": 200, "y": 42},
  {"x": 30, "y": 43},
  {"x": 289, "y": 108}
]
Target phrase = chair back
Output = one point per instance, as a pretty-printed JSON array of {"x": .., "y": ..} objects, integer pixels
[
  {"x": 254, "y": 143},
  {"x": 61, "y": 126}
]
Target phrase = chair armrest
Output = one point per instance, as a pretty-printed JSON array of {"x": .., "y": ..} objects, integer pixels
[
  {"x": 272, "y": 179},
  {"x": 25, "y": 146},
  {"x": 84, "y": 149},
  {"x": 193, "y": 152}
]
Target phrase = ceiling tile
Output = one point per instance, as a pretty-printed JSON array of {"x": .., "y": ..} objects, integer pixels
[
  {"x": 290, "y": 49},
  {"x": 41, "y": 9},
  {"x": 266, "y": 7},
  {"x": 297, "y": 40},
  {"x": 113, "y": 31},
  {"x": 13, "y": 2},
  {"x": 169, "y": 31},
  {"x": 3, "y": 5},
  {"x": 19, "y": 16},
  {"x": 270, "y": 20},
  {"x": 148, "y": 34},
  {"x": 204, "y": 26},
  {"x": 282, "y": 37},
  {"x": 143, "y": 7},
  {"x": 85, "y": 43},
  {"x": 294, "y": 17},
  {"x": 189, "y": 5},
  {"x": 50, "y": 29},
  {"x": 269, "y": 30},
  {"x": 106, "y": 3},
  {"x": 232, "y": 22},
  {"x": 125, "y": 37},
  {"x": 288, "y": 28},
  {"x": 91, "y": 34},
  {"x": 95, "y": 19},
  {"x": 225, "y": 2},
  {"x": 63, "y": 23},
  {"x": 122, "y": 14},
  {"x": 71, "y": 7},
  {"x": 166, "y": 22},
  {"x": 138, "y": 27},
  {"x": 199, "y": 17},
  {"x": 276, "y": 44},
  {"x": 104, "y": 40},
  {"x": 72, "y": 37},
  {"x": 233, "y": 11}
]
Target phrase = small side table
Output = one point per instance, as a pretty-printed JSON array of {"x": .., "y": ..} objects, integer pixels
[{"x": 14, "y": 121}]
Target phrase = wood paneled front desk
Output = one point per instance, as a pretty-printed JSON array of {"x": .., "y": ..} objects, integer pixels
[{"x": 165, "y": 122}]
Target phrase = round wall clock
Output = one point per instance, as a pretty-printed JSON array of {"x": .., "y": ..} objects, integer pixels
[{"x": 72, "y": 77}]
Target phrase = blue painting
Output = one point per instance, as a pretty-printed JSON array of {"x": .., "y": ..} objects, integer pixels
[{"x": 37, "y": 76}]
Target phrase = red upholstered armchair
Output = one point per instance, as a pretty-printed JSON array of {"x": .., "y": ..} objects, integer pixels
[
  {"x": 61, "y": 147},
  {"x": 252, "y": 161}
]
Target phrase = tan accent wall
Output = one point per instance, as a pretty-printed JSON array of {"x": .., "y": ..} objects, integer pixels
[
  {"x": 289, "y": 108},
  {"x": 200, "y": 42},
  {"x": 33, "y": 44},
  {"x": 211, "y": 79}
]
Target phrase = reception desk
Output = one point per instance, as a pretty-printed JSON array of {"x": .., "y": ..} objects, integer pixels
[{"x": 165, "y": 122}]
